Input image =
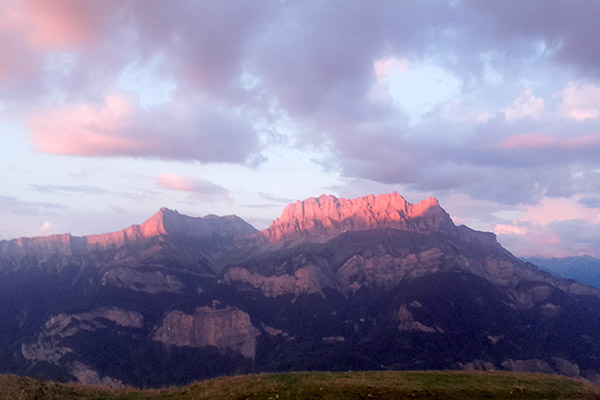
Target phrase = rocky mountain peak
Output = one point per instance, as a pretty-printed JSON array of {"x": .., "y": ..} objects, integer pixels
[
  {"x": 164, "y": 222},
  {"x": 328, "y": 215},
  {"x": 172, "y": 223}
]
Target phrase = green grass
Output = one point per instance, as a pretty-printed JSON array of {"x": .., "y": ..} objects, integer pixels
[{"x": 327, "y": 386}]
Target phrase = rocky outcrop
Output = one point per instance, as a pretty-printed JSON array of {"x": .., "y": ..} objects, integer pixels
[
  {"x": 88, "y": 376},
  {"x": 477, "y": 365},
  {"x": 269, "y": 330},
  {"x": 376, "y": 268},
  {"x": 555, "y": 365},
  {"x": 143, "y": 281},
  {"x": 309, "y": 279},
  {"x": 333, "y": 339},
  {"x": 48, "y": 345},
  {"x": 530, "y": 365},
  {"x": 327, "y": 216},
  {"x": 408, "y": 323},
  {"x": 566, "y": 367},
  {"x": 226, "y": 328}
]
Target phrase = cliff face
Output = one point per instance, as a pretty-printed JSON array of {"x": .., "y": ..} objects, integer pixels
[
  {"x": 227, "y": 328},
  {"x": 51, "y": 346},
  {"x": 327, "y": 216}
]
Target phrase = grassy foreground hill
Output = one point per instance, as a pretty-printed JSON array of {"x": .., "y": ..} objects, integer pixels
[{"x": 327, "y": 385}]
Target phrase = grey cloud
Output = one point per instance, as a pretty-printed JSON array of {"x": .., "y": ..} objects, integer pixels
[
  {"x": 68, "y": 189},
  {"x": 9, "y": 204},
  {"x": 276, "y": 199},
  {"x": 568, "y": 29},
  {"x": 590, "y": 202}
]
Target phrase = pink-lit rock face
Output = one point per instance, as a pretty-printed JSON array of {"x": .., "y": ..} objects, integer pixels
[
  {"x": 38, "y": 246},
  {"x": 327, "y": 215},
  {"x": 164, "y": 222}
]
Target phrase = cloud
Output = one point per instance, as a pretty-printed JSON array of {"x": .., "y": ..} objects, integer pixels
[
  {"x": 384, "y": 68},
  {"x": 68, "y": 189},
  {"x": 504, "y": 229},
  {"x": 45, "y": 229},
  {"x": 206, "y": 190},
  {"x": 75, "y": 52},
  {"x": 186, "y": 130},
  {"x": 555, "y": 227},
  {"x": 548, "y": 141},
  {"x": 581, "y": 101},
  {"x": 64, "y": 23},
  {"x": 563, "y": 30},
  {"x": 9, "y": 204},
  {"x": 591, "y": 202},
  {"x": 550, "y": 210},
  {"x": 557, "y": 239},
  {"x": 526, "y": 105},
  {"x": 275, "y": 198}
]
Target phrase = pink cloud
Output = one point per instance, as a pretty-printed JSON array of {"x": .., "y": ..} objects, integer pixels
[
  {"x": 504, "y": 229},
  {"x": 546, "y": 140},
  {"x": 386, "y": 67},
  {"x": 559, "y": 239},
  {"x": 552, "y": 209},
  {"x": 581, "y": 101},
  {"x": 87, "y": 129},
  {"x": 556, "y": 227},
  {"x": 65, "y": 23},
  {"x": 526, "y": 239},
  {"x": 205, "y": 189},
  {"x": 183, "y": 129}
]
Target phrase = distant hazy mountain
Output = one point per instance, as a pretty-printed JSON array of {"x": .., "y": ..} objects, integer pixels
[
  {"x": 333, "y": 284},
  {"x": 584, "y": 269}
]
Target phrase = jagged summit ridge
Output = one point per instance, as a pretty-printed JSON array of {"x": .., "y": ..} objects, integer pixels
[
  {"x": 312, "y": 219},
  {"x": 175, "y": 223},
  {"x": 328, "y": 215},
  {"x": 164, "y": 222}
]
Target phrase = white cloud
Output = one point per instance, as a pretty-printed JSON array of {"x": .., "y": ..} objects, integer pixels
[
  {"x": 504, "y": 229},
  {"x": 581, "y": 101},
  {"x": 45, "y": 229},
  {"x": 526, "y": 105}
]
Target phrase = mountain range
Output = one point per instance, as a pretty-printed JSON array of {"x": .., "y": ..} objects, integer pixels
[
  {"x": 585, "y": 269},
  {"x": 333, "y": 284}
]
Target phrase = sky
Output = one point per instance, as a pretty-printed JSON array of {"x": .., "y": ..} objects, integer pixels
[{"x": 112, "y": 109}]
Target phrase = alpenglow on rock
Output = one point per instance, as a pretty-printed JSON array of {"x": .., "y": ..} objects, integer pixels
[
  {"x": 327, "y": 216},
  {"x": 164, "y": 222}
]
